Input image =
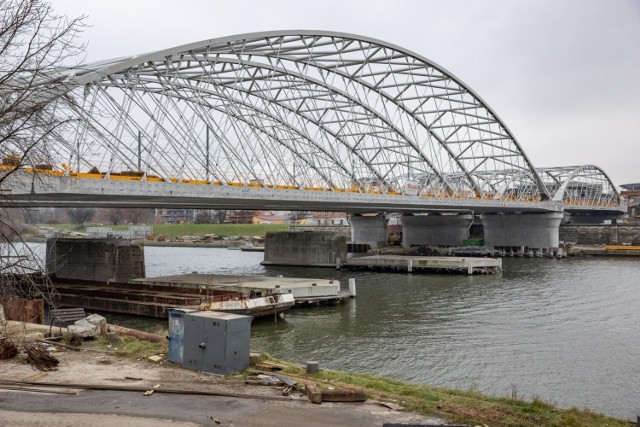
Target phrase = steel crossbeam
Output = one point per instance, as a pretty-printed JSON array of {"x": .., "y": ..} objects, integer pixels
[{"x": 312, "y": 109}]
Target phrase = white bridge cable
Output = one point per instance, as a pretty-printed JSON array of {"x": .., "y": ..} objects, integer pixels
[{"x": 307, "y": 109}]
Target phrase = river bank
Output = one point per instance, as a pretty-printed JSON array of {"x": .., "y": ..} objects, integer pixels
[
  {"x": 127, "y": 363},
  {"x": 563, "y": 329}
]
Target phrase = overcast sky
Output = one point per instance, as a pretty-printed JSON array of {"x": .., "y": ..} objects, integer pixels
[{"x": 563, "y": 75}]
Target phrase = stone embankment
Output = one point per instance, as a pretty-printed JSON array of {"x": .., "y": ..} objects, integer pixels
[{"x": 600, "y": 234}]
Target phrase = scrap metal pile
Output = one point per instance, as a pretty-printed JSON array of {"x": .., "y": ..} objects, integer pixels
[
  {"x": 8, "y": 349},
  {"x": 39, "y": 357}
]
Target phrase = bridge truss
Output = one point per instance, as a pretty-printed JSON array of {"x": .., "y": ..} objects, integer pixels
[
  {"x": 580, "y": 186},
  {"x": 314, "y": 110}
]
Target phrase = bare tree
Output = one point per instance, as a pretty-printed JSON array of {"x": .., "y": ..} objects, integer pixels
[
  {"x": 209, "y": 216},
  {"x": 203, "y": 216},
  {"x": 80, "y": 216},
  {"x": 116, "y": 216},
  {"x": 34, "y": 44},
  {"x": 138, "y": 215}
]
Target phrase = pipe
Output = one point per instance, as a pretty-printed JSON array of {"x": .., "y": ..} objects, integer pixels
[{"x": 135, "y": 333}]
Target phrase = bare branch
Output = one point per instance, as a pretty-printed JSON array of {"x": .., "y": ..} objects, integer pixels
[{"x": 35, "y": 46}]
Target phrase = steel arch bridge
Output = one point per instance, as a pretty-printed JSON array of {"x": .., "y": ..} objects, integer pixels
[
  {"x": 323, "y": 112},
  {"x": 580, "y": 186}
]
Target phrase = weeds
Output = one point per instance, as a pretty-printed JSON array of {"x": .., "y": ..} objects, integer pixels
[{"x": 467, "y": 407}]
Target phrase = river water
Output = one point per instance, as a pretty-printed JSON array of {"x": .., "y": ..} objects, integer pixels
[{"x": 567, "y": 331}]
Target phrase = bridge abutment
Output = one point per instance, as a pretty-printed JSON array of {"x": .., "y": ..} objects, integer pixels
[
  {"x": 435, "y": 230},
  {"x": 95, "y": 260},
  {"x": 369, "y": 230},
  {"x": 532, "y": 230},
  {"x": 316, "y": 249}
]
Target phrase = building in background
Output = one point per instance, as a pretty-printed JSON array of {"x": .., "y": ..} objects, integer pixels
[
  {"x": 174, "y": 216},
  {"x": 329, "y": 218},
  {"x": 631, "y": 192}
]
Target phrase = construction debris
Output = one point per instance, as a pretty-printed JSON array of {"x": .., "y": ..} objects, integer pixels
[
  {"x": 143, "y": 389},
  {"x": 74, "y": 340},
  {"x": 270, "y": 366},
  {"x": 39, "y": 357},
  {"x": 391, "y": 405},
  {"x": 333, "y": 395},
  {"x": 92, "y": 326},
  {"x": 343, "y": 395},
  {"x": 312, "y": 392},
  {"x": 135, "y": 333},
  {"x": 8, "y": 349},
  {"x": 285, "y": 379}
]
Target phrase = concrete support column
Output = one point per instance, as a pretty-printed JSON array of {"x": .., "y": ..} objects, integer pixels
[
  {"x": 318, "y": 249},
  {"x": 369, "y": 230},
  {"x": 95, "y": 260},
  {"x": 435, "y": 230},
  {"x": 532, "y": 230}
]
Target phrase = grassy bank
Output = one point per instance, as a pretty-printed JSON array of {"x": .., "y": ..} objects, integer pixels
[
  {"x": 468, "y": 407},
  {"x": 178, "y": 230},
  {"x": 459, "y": 406}
]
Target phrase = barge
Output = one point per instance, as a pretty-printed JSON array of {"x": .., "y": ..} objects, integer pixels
[{"x": 154, "y": 297}]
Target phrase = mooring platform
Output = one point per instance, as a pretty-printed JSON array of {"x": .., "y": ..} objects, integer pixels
[
  {"x": 468, "y": 265},
  {"x": 305, "y": 291},
  {"x": 154, "y": 296}
]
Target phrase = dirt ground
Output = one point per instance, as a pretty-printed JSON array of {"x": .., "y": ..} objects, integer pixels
[{"x": 66, "y": 406}]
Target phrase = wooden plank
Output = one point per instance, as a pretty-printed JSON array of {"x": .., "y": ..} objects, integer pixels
[
  {"x": 285, "y": 379},
  {"x": 312, "y": 392},
  {"x": 270, "y": 366},
  {"x": 36, "y": 376},
  {"x": 142, "y": 389},
  {"x": 343, "y": 395},
  {"x": 73, "y": 347}
]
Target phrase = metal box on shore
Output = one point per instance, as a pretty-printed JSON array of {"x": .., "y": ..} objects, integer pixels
[{"x": 216, "y": 342}]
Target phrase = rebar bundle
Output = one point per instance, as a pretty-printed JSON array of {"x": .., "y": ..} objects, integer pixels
[
  {"x": 39, "y": 357},
  {"x": 8, "y": 349}
]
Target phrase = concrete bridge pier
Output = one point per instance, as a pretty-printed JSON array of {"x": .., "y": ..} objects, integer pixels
[
  {"x": 435, "y": 229},
  {"x": 369, "y": 230},
  {"x": 530, "y": 230},
  {"x": 95, "y": 260}
]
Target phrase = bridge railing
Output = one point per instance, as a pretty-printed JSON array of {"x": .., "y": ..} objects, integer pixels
[{"x": 64, "y": 171}]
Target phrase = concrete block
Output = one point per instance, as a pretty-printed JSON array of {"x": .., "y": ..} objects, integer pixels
[
  {"x": 85, "y": 329},
  {"x": 97, "y": 260},
  {"x": 435, "y": 230},
  {"x": 101, "y": 322},
  {"x": 369, "y": 230},
  {"x": 312, "y": 392},
  {"x": 319, "y": 249}
]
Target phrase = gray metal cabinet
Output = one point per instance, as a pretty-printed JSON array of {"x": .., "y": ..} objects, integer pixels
[{"x": 216, "y": 342}]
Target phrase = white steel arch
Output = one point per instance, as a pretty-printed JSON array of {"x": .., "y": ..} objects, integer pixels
[
  {"x": 311, "y": 109},
  {"x": 579, "y": 186}
]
